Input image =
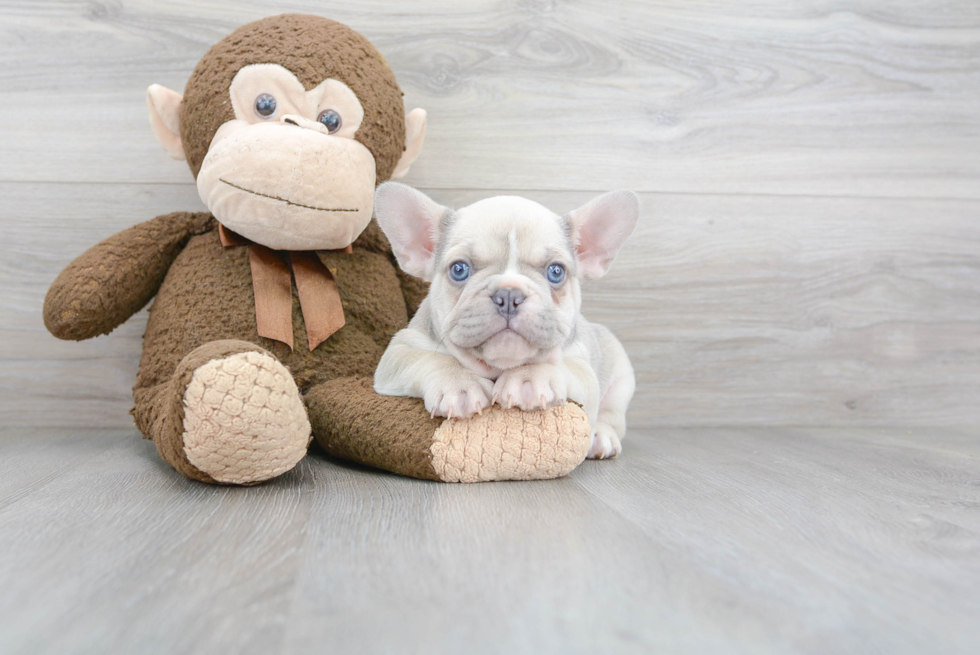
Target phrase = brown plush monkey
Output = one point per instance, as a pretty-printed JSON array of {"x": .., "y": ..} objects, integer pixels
[{"x": 272, "y": 311}]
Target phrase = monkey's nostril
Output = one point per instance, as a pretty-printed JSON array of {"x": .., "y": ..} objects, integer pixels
[{"x": 290, "y": 121}]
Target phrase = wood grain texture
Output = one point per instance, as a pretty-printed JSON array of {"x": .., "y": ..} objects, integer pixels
[
  {"x": 736, "y": 310},
  {"x": 823, "y": 492},
  {"x": 865, "y": 98},
  {"x": 695, "y": 540}
]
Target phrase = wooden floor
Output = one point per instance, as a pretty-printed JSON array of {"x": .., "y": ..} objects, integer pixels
[{"x": 695, "y": 540}]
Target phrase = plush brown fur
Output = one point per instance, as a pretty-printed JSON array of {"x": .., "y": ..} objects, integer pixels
[
  {"x": 314, "y": 49},
  {"x": 353, "y": 422},
  {"x": 204, "y": 307}
]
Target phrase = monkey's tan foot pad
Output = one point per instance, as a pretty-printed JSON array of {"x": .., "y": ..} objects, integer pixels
[
  {"x": 351, "y": 421},
  {"x": 244, "y": 419},
  {"x": 511, "y": 444}
]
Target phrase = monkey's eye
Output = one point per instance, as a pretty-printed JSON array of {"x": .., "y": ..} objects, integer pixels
[
  {"x": 459, "y": 271},
  {"x": 330, "y": 119},
  {"x": 265, "y": 105},
  {"x": 556, "y": 273}
]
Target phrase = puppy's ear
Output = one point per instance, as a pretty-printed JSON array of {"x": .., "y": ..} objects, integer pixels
[
  {"x": 599, "y": 229},
  {"x": 410, "y": 220}
]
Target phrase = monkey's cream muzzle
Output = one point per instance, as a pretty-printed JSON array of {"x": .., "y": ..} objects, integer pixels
[
  {"x": 286, "y": 171},
  {"x": 288, "y": 186}
]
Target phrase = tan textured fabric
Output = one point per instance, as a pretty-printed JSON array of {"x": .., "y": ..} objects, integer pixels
[
  {"x": 288, "y": 188},
  {"x": 159, "y": 409},
  {"x": 244, "y": 420},
  {"x": 504, "y": 444},
  {"x": 353, "y": 422}
]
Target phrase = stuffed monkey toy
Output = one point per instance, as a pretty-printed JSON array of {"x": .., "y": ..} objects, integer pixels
[{"x": 271, "y": 312}]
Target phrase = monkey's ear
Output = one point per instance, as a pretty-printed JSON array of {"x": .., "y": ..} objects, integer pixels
[
  {"x": 599, "y": 229},
  {"x": 164, "y": 106},
  {"x": 414, "y": 137},
  {"x": 411, "y": 221}
]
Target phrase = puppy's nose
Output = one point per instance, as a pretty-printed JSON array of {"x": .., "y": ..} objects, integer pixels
[{"x": 507, "y": 301}]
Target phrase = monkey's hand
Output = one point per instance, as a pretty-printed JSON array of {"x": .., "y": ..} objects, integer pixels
[{"x": 113, "y": 280}]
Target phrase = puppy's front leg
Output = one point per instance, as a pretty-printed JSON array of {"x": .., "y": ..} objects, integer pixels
[
  {"x": 531, "y": 387},
  {"x": 412, "y": 366}
]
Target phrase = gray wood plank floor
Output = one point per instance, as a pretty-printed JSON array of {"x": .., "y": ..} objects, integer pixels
[{"x": 695, "y": 540}]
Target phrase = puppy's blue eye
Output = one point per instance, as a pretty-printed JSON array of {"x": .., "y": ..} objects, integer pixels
[
  {"x": 556, "y": 273},
  {"x": 459, "y": 271}
]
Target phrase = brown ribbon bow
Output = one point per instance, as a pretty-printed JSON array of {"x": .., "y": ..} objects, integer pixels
[{"x": 323, "y": 312}]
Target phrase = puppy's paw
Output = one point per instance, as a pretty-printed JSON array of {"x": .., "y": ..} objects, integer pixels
[
  {"x": 605, "y": 443},
  {"x": 536, "y": 386},
  {"x": 459, "y": 394}
]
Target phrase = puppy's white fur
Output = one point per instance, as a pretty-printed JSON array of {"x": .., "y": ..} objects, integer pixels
[{"x": 462, "y": 352}]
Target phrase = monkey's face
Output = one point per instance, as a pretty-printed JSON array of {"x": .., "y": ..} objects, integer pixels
[
  {"x": 286, "y": 172},
  {"x": 288, "y": 123}
]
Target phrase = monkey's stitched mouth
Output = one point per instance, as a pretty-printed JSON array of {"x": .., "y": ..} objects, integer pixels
[{"x": 288, "y": 202}]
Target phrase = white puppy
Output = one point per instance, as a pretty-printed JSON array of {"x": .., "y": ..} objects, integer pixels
[{"x": 502, "y": 321}]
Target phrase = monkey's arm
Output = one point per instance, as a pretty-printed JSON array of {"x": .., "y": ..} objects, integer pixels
[{"x": 113, "y": 280}]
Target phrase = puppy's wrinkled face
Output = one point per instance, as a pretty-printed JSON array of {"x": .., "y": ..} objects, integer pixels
[
  {"x": 504, "y": 286},
  {"x": 504, "y": 271}
]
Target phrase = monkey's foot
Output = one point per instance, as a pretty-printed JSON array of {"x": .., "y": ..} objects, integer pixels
[
  {"x": 243, "y": 419},
  {"x": 511, "y": 444},
  {"x": 351, "y": 421}
]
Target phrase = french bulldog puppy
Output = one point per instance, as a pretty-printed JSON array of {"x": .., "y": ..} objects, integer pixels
[{"x": 502, "y": 321}]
